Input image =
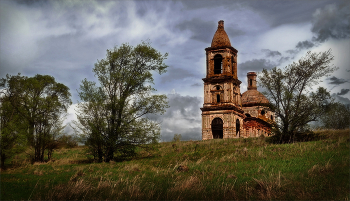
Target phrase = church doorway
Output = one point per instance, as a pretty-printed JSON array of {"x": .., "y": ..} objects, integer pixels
[
  {"x": 237, "y": 127},
  {"x": 217, "y": 128}
]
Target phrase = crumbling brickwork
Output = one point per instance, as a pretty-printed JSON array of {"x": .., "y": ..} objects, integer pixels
[{"x": 225, "y": 112}]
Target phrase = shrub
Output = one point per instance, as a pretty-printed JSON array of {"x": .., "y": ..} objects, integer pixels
[
  {"x": 177, "y": 138},
  {"x": 305, "y": 136},
  {"x": 67, "y": 141}
]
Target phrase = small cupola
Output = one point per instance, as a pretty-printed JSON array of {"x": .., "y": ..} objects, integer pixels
[{"x": 251, "y": 76}]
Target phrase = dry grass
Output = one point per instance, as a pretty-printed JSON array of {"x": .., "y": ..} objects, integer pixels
[
  {"x": 268, "y": 188},
  {"x": 239, "y": 169},
  {"x": 191, "y": 183},
  {"x": 319, "y": 169}
]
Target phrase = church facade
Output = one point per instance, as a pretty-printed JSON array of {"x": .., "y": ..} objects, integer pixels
[{"x": 226, "y": 113}]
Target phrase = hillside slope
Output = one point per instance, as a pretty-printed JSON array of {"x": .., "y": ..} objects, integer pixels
[{"x": 234, "y": 169}]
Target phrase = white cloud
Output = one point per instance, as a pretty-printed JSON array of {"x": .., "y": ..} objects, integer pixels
[
  {"x": 284, "y": 37},
  {"x": 71, "y": 116},
  {"x": 341, "y": 51}
]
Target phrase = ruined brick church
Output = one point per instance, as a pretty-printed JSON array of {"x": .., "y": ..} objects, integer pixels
[{"x": 226, "y": 113}]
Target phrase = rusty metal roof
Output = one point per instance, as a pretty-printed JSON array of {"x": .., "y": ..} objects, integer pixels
[{"x": 253, "y": 97}]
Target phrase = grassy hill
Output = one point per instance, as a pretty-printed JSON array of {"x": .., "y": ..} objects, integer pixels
[{"x": 234, "y": 169}]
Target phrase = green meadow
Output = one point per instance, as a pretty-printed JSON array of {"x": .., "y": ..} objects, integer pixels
[{"x": 226, "y": 169}]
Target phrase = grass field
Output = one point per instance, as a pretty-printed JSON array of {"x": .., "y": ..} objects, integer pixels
[{"x": 231, "y": 169}]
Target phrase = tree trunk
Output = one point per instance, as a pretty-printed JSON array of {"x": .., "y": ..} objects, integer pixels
[
  {"x": 49, "y": 154},
  {"x": 3, "y": 158},
  {"x": 110, "y": 153},
  {"x": 99, "y": 154},
  {"x": 30, "y": 136}
]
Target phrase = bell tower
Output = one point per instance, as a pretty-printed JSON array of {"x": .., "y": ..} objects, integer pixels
[{"x": 222, "y": 114}]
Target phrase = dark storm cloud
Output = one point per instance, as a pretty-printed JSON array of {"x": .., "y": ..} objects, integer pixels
[
  {"x": 336, "y": 81},
  {"x": 340, "y": 99},
  {"x": 292, "y": 52},
  {"x": 283, "y": 59},
  {"x": 182, "y": 117},
  {"x": 176, "y": 74},
  {"x": 201, "y": 30},
  {"x": 255, "y": 65},
  {"x": 187, "y": 106},
  {"x": 343, "y": 92},
  {"x": 301, "y": 46},
  {"x": 270, "y": 53},
  {"x": 231, "y": 32},
  {"x": 204, "y": 30},
  {"x": 305, "y": 44},
  {"x": 41, "y": 37},
  {"x": 276, "y": 12},
  {"x": 332, "y": 21}
]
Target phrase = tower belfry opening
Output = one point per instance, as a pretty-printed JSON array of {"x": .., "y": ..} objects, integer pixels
[{"x": 218, "y": 64}]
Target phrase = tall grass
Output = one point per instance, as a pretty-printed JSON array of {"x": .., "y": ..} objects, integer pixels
[{"x": 230, "y": 169}]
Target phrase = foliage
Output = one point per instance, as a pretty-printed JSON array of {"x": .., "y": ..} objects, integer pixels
[
  {"x": 40, "y": 102},
  {"x": 112, "y": 114},
  {"x": 290, "y": 95},
  {"x": 336, "y": 116},
  {"x": 67, "y": 141},
  {"x": 177, "y": 138},
  {"x": 12, "y": 131},
  {"x": 305, "y": 136}
]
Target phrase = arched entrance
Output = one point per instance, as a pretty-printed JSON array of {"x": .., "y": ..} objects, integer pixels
[
  {"x": 217, "y": 128},
  {"x": 238, "y": 126}
]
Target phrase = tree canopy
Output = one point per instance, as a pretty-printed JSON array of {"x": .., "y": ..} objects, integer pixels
[
  {"x": 40, "y": 102},
  {"x": 111, "y": 114},
  {"x": 292, "y": 95},
  {"x": 336, "y": 116}
]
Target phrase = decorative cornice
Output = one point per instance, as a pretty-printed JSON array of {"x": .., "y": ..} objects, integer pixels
[
  {"x": 222, "y": 107},
  {"x": 222, "y": 47},
  {"x": 251, "y": 104},
  {"x": 221, "y": 79}
]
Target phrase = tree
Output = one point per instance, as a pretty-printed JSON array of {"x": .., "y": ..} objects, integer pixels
[
  {"x": 336, "y": 116},
  {"x": 12, "y": 131},
  {"x": 56, "y": 136},
  {"x": 290, "y": 95},
  {"x": 112, "y": 115},
  {"x": 40, "y": 101}
]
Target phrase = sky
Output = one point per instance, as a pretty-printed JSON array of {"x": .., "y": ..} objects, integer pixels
[{"x": 65, "y": 39}]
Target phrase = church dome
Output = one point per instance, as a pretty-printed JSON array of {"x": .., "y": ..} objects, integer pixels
[
  {"x": 220, "y": 38},
  {"x": 253, "y": 98}
]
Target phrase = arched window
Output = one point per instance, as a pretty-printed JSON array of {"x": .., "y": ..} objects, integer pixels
[
  {"x": 262, "y": 112},
  {"x": 271, "y": 117},
  {"x": 218, "y": 98},
  {"x": 238, "y": 126},
  {"x": 248, "y": 115},
  {"x": 251, "y": 82},
  {"x": 218, "y": 87},
  {"x": 218, "y": 64}
]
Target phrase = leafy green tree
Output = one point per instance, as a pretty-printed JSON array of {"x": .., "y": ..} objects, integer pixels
[
  {"x": 336, "y": 116},
  {"x": 12, "y": 131},
  {"x": 112, "y": 114},
  {"x": 290, "y": 95},
  {"x": 40, "y": 101}
]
